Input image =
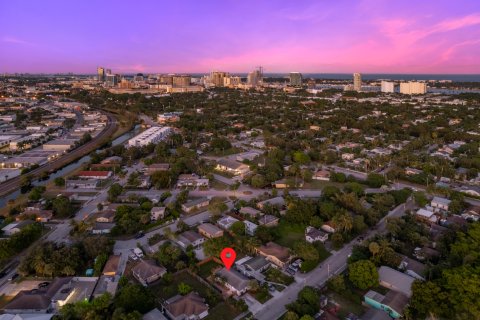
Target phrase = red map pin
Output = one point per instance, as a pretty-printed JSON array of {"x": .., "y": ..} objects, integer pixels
[{"x": 228, "y": 256}]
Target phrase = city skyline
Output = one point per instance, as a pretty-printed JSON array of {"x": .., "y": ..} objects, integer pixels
[{"x": 343, "y": 37}]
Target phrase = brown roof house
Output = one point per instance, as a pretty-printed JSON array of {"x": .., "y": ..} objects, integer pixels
[
  {"x": 275, "y": 253},
  {"x": 189, "y": 307},
  {"x": 111, "y": 266},
  {"x": 209, "y": 230},
  {"x": 147, "y": 271}
]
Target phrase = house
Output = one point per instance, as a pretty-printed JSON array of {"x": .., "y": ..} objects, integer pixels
[
  {"x": 210, "y": 231},
  {"x": 82, "y": 184},
  {"x": 249, "y": 155},
  {"x": 111, "y": 267},
  {"x": 440, "y": 203},
  {"x": 470, "y": 190},
  {"x": 392, "y": 303},
  {"x": 252, "y": 212},
  {"x": 15, "y": 227},
  {"x": 250, "y": 227},
  {"x": 147, "y": 271},
  {"x": 236, "y": 282},
  {"x": 40, "y": 214},
  {"x": 252, "y": 267},
  {"x": 153, "y": 314},
  {"x": 100, "y": 175},
  {"x": 426, "y": 216},
  {"x": 472, "y": 213},
  {"x": 348, "y": 156},
  {"x": 276, "y": 202},
  {"x": 413, "y": 268},
  {"x": 112, "y": 160},
  {"x": 157, "y": 213},
  {"x": 226, "y": 222},
  {"x": 191, "y": 180},
  {"x": 190, "y": 238},
  {"x": 395, "y": 280},
  {"x": 106, "y": 216},
  {"x": 102, "y": 227},
  {"x": 412, "y": 171},
  {"x": 195, "y": 204},
  {"x": 188, "y": 307},
  {"x": 156, "y": 167},
  {"x": 268, "y": 221},
  {"x": 231, "y": 166},
  {"x": 34, "y": 302},
  {"x": 322, "y": 175},
  {"x": 328, "y": 227},
  {"x": 275, "y": 253},
  {"x": 313, "y": 234}
]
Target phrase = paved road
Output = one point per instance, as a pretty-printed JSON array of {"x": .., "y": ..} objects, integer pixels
[
  {"x": 15, "y": 183},
  {"x": 336, "y": 263}
]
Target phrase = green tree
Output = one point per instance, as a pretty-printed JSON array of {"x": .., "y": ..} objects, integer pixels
[
  {"x": 238, "y": 228},
  {"x": 363, "y": 274},
  {"x": 337, "y": 283},
  {"x": 114, "y": 191},
  {"x": 62, "y": 207},
  {"x": 134, "y": 297},
  {"x": 184, "y": 288},
  {"x": 375, "y": 180}
]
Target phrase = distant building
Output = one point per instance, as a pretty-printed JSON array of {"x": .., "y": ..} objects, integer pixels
[
  {"x": 313, "y": 235},
  {"x": 255, "y": 78},
  {"x": 388, "y": 87},
  {"x": 296, "y": 79},
  {"x": 413, "y": 87},
  {"x": 101, "y": 74},
  {"x": 157, "y": 213},
  {"x": 195, "y": 204},
  {"x": 151, "y": 135},
  {"x": 181, "y": 80},
  {"x": 234, "y": 281},
  {"x": 210, "y": 231},
  {"x": 217, "y": 78},
  {"x": 232, "y": 166},
  {"x": 357, "y": 82}
]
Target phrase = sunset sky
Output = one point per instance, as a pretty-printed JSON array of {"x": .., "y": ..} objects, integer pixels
[{"x": 325, "y": 36}]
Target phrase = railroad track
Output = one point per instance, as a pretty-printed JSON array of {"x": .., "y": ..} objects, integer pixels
[{"x": 15, "y": 183}]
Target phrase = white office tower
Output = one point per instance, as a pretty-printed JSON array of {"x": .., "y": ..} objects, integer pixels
[
  {"x": 413, "y": 87},
  {"x": 388, "y": 86}
]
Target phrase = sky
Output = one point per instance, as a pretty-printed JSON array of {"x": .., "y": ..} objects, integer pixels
[{"x": 190, "y": 36}]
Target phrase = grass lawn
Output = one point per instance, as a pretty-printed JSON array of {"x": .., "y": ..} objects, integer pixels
[
  {"x": 290, "y": 233},
  {"x": 218, "y": 185},
  {"x": 319, "y": 184},
  {"x": 222, "y": 311},
  {"x": 277, "y": 276},
  {"x": 262, "y": 295},
  {"x": 205, "y": 270},
  {"x": 166, "y": 291},
  {"x": 350, "y": 303}
]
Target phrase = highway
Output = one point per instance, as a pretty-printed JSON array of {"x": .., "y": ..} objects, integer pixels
[{"x": 15, "y": 183}]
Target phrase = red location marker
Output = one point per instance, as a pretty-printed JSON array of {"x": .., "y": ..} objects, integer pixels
[{"x": 228, "y": 256}]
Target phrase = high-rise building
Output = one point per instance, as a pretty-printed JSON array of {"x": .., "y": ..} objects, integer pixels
[
  {"x": 231, "y": 81},
  {"x": 388, "y": 86},
  {"x": 108, "y": 71},
  {"x": 311, "y": 83},
  {"x": 138, "y": 77},
  {"x": 413, "y": 87},
  {"x": 166, "y": 79},
  {"x": 216, "y": 78},
  {"x": 296, "y": 79},
  {"x": 112, "y": 80},
  {"x": 100, "y": 74},
  {"x": 357, "y": 82},
  {"x": 255, "y": 78},
  {"x": 181, "y": 80}
]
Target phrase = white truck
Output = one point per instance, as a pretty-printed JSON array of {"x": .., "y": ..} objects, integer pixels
[{"x": 138, "y": 252}]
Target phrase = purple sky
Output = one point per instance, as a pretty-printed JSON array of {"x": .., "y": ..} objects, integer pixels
[{"x": 370, "y": 36}]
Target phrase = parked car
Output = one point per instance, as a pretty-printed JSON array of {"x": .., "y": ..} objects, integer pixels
[
  {"x": 139, "y": 235},
  {"x": 43, "y": 285},
  {"x": 13, "y": 277},
  {"x": 133, "y": 257}
]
